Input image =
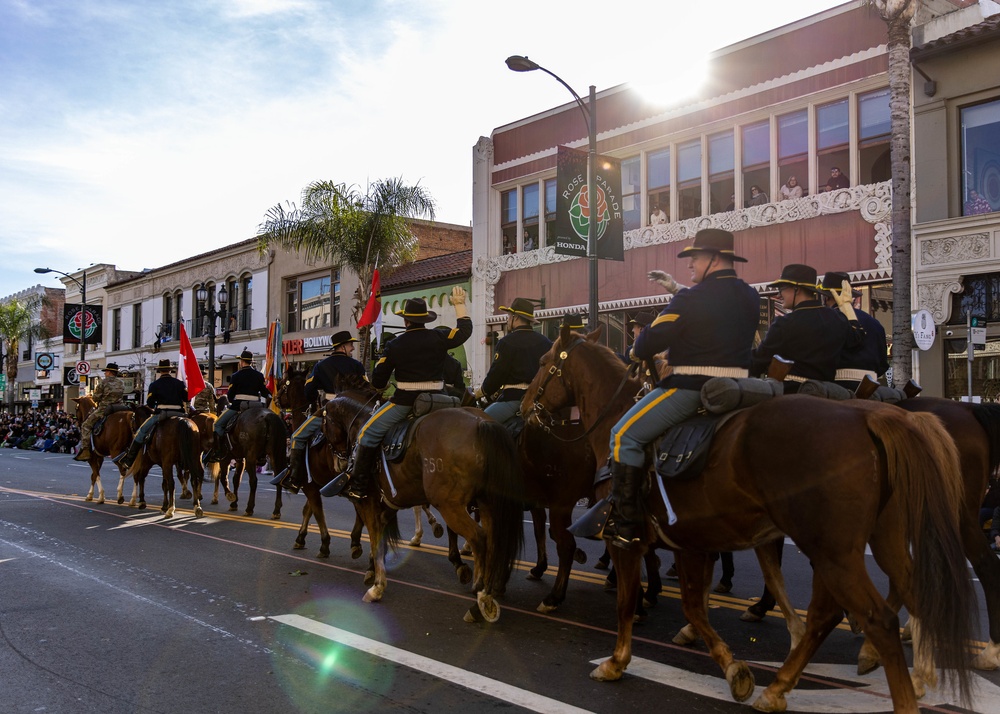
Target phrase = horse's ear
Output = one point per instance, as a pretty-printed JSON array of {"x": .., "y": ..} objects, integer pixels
[
  {"x": 75, "y": 400},
  {"x": 595, "y": 335}
]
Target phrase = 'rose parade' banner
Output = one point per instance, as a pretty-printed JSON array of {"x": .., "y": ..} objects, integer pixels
[
  {"x": 573, "y": 209},
  {"x": 75, "y": 327}
]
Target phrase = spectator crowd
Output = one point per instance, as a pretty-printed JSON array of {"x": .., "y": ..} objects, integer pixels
[{"x": 51, "y": 431}]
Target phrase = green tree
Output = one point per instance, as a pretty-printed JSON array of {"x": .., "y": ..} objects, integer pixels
[
  {"x": 18, "y": 322},
  {"x": 339, "y": 224},
  {"x": 898, "y": 16}
]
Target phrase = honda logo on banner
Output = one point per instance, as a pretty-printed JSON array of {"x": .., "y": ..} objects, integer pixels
[{"x": 574, "y": 209}]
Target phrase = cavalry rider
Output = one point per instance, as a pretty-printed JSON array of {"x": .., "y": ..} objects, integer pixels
[
  {"x": 246, "y": 386},
  {"x": 109, "y": 392},
  {"x": 204, "y": 401},
  {"x": 810, "y": 335},
  {"x": 871, "y": 357},
  {"x": 515, "y": 361},
  {"x": 417, "y": 357},
  {"x": 454, "y": 375},
  {"x": 709, "y": 329},
  {"x": 167, "y": 397},
  {"x": 340, "y": 363}
]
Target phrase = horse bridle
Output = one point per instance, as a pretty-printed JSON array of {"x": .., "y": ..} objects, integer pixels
[{"x": 550, "y": 421}]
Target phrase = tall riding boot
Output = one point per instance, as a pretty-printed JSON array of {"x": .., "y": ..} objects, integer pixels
[
  {"x": 216, "y": 453},
  {"x": 126, "y": 459},
  {"x": 294, "y": 477},
  {"x": 84, "y": 453},
  {"x": 365, "y": 461},
  {"x": 627, "y": 521}
]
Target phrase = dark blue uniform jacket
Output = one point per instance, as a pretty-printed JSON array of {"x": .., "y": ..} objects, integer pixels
[
  {"x": 418, "y": 355},
  {"x": 811, "y": 335},
  {"x": 166, "y": 390},
  {"x": 325, "y": 373},
  {"x": 872, "y": 353},
  {"x": 515, "y": 362},
  {"x": 246, "y": 380},
  {"x": 710, "y": 324}
]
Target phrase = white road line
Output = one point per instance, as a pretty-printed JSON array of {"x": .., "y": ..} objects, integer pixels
[
  {"x": 469, "y": 680},
  {"x": 7, "y": 560},
  {"x": 869, "y": 696}
]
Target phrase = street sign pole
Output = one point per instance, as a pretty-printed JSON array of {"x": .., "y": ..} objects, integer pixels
[{"x": 968, "y": 334}]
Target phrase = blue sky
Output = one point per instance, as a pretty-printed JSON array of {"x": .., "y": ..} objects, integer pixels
[{"x": 140, "y": 133}]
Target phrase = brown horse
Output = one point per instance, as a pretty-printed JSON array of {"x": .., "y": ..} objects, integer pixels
[
  {"x": 291, "y": 396},
  {"x": 754, "y": 488},
  {"x": 257, "y": 435},
  {"x": 115, "y": 437},
  {"x": 457, "y": 457},
  {"x": 174, "y": 443},
  {"x": 206, "y": 425}
]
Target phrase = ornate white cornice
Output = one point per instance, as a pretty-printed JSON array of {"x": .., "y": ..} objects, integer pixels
[
  {"x": 936, "y": 298},
  {"x": 872, "y": 201}
]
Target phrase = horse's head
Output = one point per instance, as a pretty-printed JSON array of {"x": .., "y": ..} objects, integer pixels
[
  {"x": 553, "y": 387},
  {"x": 84, "y": 406},
  {"x": 343, "y": 417}
]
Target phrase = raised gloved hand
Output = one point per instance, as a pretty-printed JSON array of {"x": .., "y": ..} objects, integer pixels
[
  {"x": 666, "y": 280},
  {"x": 458, "y": 300},
  {"x": 844, "y": 300},
  {"x": 478, "y": 394}
]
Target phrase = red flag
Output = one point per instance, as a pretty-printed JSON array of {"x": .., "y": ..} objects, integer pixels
[
  {"x": 187, "y": 367},
  {"x": 374, "y": 307}
]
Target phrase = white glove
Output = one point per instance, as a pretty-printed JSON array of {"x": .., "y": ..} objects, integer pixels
[
  {"x": 458, "y": 301},
  {"x": 666, "y": 280},
  {"x": 844, "y": 300}
]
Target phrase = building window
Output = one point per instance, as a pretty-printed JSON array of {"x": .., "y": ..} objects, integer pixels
[
  {"x": 245, "y": 316},
  {"x": 756, "y": 160},
  {"x": 833, "y": 138},
  {"x": 793, "y": 149},
  {"x": 689, "y": 179},
  {"x": 116, "y": 329},
  {"x": 721, "y": 164},
  {"x": 550, "y": 212},
  {"x": 508, "y": 221},
  {"x": 291, "y": 305},
  {"x": 313, "y": 303},
  {"x": 136, "y": 326},
  {"x": 874, "y": 164},
  {"x": 980, "y": 158},
  {"x": 658, "y": 184},
  {"x": 631, "y": 194},
  {"x": 173, "y": 307},
  {"x": 530, "y": 208}
]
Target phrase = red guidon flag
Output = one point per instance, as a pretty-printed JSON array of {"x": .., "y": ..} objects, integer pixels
[
  {"x": 373, "y": 310},
  {"x": 187, "y": 367}
]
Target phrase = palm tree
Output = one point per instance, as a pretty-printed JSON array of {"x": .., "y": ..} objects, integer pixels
[
  {"x": 898, "y": 16},
  {"x": 18, "y": 323},
  {"x": 337, "y": 224}
]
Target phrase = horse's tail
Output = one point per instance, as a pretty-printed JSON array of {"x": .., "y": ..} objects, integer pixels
[
  {"x": 925, "y": 477},
  {"x": 277, "y": 436},
  {"x": 988, "y": 416},
  {"x": 500, "y": 501}
]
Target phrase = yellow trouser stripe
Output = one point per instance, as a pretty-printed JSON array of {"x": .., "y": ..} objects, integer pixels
[
  {"x": 374, "y": 418},
  {"x": 638, "y": 415}
]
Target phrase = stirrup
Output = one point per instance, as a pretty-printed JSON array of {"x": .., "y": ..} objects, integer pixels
[
  {"x": 334, "y": 486},
  {"x": 592, "y": 523},
  {"x": 276, "y": 481}
]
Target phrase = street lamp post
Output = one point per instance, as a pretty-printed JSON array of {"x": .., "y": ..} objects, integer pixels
[
  {"x": 83, "y": 315},
  {"x": 201, "y": 294},
  {"x": 518, "y": 63}
]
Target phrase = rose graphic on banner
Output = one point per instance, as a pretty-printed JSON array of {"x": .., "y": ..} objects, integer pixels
[
  {"x": 75, "y": 327},
  {"x": 579, "y": 213}
]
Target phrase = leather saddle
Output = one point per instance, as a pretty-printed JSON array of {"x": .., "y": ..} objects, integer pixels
[
  {"x": 399, "y": 437},
  {"x": 113, "y": 409},
  {"x": 683, "y": 449}
]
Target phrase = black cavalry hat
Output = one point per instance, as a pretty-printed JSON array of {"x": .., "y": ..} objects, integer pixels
[
  {"x": 797, "y": 276},
  {"x": 522, "y": 308},
  {"x": 835, "y": 279},
  {"x": 341, "y": 338},
  {"x": 163, "y": 366},
  {"x": 574, "y": 321},
  {"x": 246, "y": 355},
  {"x": 415, "y": 310},
  {"x": 713, "y": 240},
  {"x": 111, "y": 367},
  {"x": 642, "y": 319}
]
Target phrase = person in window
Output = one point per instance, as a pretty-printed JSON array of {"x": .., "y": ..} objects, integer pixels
[
  {"x": 732, "y": 202},
  {"x": 657, "y": 217},
  {"x": 791, "y": 189},
  {"x": 836, "y": 180},
  {"x": 529, "y": 243},
  {"x": 976, "y": 204},
  {"x": 757, "y": 197}
]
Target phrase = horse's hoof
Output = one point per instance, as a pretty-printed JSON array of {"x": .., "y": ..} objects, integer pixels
[
  {"x": 298, "y": 546},
  {"x": 370, "y": 577},
  {"x": 867, "y": 664},
  {"x": 648, "y": 601},
  {"x": 466, "y": 550},
  {"x": 580, "y": 557},
  {"x": 372, "y": 594},
  {"x": 609, "y": 585},
  {"x": 438, "y": 530},
  {"x": 231, "y": 497},
  {"x": 324, "y": 553},
  {"x": 415, "y": 542},
  {"x": 607, "y": 672},
  {"x": 355, "y": 552},
  {"x": 536, "y": 573},
  {"x": 198, "y": 512},
  {"x": 488, "y": 606},
  {"x": 121, "y": 500},
  {"x": 918, "y": 686},
  {"x": 472, "y": 615},
  {"x": 749, "y": 616},
  {"x": 248, "y": 514},
  {"x": 464, "y": 574},
  {"x": 275, "y": 516},
  {"x": 740, "y": 680},
  {"x": 142, "y": 506},
  {"x": 545, "y": 608},
  {"x": 768, "y": 702},
  {"x": 100, "y": 501},
  {"x": 88, "y": 499},
  {"x": 233, "y": 507},
  {"x": 686, "y": 636},
  {"x": 215, "y": 501}
]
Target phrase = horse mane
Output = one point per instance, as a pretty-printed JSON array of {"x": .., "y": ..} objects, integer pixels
[{"x": 609, "y": 365}]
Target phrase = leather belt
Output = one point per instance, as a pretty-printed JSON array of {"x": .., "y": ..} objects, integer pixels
[
  {"x": 733, "y": 372},
  {"x": 855, "y": 375},
  {"x": 419, "y": 386}
]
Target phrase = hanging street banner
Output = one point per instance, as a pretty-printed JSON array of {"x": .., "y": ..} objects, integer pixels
[
  {"x": 74, "y": 324},
  {"x": 70, "y": 377},
  {"x": 573, "y": 206}
]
